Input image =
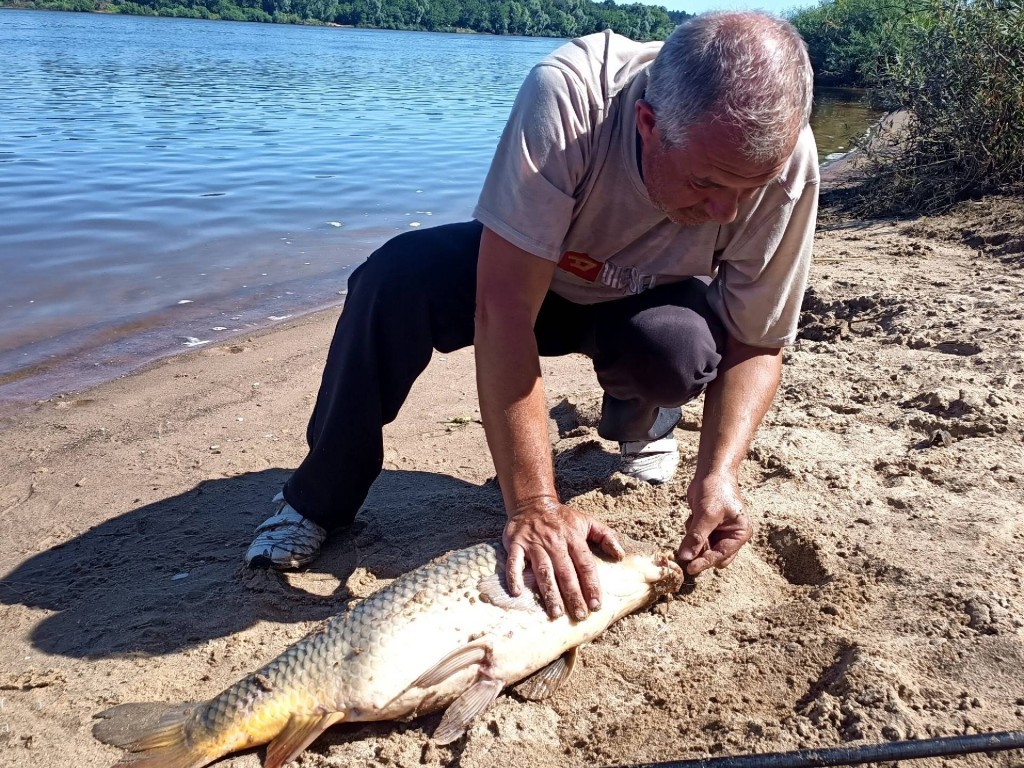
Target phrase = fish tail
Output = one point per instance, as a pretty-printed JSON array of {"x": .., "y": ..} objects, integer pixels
[{"x": 157, "y": 734}]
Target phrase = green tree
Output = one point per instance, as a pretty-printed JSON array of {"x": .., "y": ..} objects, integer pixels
[
  {"x": 845, "y": 38},
  {"x": 561, "y": 18}
]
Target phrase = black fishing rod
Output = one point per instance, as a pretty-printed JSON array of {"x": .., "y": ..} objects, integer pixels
[{"x": 868, "y": 753}]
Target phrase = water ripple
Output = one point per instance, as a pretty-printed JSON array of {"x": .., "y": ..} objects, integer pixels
[{"x": 139, "y": 152}]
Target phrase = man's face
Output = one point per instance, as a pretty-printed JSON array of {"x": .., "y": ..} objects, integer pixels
[{"x": 705, "y": 181}]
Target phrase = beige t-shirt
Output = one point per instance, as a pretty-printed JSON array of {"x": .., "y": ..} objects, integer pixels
[{"x": 564, "y": 185}]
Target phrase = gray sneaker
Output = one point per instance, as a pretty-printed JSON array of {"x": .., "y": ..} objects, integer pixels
[
  {"x": 653, "y": 462},
  {"x": 286, "y": 540}
]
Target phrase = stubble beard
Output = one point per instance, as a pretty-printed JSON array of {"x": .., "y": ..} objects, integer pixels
[
  {"x": 687, "y": 217},
  {"x": 693, "y": 216}
]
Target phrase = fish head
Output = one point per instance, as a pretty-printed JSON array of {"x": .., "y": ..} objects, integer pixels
[{"x": 644, "y": 574}]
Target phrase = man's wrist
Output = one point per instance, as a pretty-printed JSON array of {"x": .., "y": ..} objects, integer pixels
[
  {"x": 717, "y": 474},
  {"x": 541, "y": 502}
]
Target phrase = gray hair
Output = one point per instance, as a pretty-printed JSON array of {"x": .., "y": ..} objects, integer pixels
[{"x": 747, "y": 70}]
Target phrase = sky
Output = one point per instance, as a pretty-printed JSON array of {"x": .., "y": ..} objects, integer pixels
[{"x": 698, "y": 6}]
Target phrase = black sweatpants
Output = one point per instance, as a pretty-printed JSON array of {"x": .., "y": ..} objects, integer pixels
[{"x": 652, "y": 352}]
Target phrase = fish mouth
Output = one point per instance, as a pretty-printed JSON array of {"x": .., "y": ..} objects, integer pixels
[
  {"x": 662, "y": 573},
  {"x": 670, "y": 576}
]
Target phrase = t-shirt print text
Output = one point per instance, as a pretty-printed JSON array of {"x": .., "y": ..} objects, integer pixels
[{"x": 625, "y": 279}]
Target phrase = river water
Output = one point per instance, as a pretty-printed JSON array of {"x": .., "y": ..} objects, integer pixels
[{"x": 168, "y": 183}]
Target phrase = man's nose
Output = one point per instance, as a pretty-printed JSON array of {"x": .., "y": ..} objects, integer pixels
[{"x": 722, "y": 205}]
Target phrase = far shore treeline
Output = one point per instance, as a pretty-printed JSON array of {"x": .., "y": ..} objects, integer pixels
[{"x": 540, "y": 18}]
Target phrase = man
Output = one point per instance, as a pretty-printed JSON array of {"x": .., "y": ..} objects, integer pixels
[{"x": 625, "y": 174}]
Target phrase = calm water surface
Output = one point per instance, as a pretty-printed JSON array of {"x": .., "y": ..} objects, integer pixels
[
  {"x": 840, "y": 116},
  {"x": 167, "y": 182}
]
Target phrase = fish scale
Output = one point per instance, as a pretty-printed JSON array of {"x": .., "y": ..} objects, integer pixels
[
  {"x": 313, "y": 661},
  {"x": 446, "y": 632}
]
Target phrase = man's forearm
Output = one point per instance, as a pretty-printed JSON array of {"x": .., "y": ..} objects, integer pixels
[
  {"x": 511, "y": 286},
  {"x": 514, "y": 411},
  {"x": 542, "y": 534},
  {"x": 734, "y": 405}
]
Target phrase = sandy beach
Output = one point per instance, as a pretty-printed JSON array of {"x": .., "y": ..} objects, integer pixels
[{"x": 882, "y": 597}]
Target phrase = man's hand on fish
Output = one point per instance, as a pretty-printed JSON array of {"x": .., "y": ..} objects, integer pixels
[
  {"x": 718, "y": 525},
  {"x": 553, "y": 539}
]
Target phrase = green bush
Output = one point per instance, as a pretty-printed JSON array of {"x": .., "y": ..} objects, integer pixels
[{"x": 957, "y": 68}]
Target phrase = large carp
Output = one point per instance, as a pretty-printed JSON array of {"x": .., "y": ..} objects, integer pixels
[{"x": 448, "y": 633}]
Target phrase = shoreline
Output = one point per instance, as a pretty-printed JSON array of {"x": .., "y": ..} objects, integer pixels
[
  {"x": 101, "y": 289},
  {"x": 118, "y": 350}
]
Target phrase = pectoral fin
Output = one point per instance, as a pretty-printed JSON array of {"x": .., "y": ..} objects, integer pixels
[
  {"x": 494, "y": 590},
  {"x": 459, "y": 659},
  {"x": 297, "y": 735},
  {"x": 458, "y": 717},
  {"x": 544, "y": 682}
]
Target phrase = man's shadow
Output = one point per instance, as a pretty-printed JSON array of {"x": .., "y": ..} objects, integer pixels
[{"x": 169, "y": 575}]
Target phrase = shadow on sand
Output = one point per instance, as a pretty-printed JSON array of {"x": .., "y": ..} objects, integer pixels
[{"x": 118, "y": 588}]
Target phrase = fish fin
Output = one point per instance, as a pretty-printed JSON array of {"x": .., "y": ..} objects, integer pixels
[
  {"x": 156, "y": 732},
  {"x": 472, "y": 703},
  {"x": 494, "y": 590},
  {"x": 543, "y": 683},
  {"x": 126, "y": 724},
  {"x": 296, "y": 736},
  {"x": 459, "y": 659}
]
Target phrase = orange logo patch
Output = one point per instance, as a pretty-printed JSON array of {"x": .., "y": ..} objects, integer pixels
[{"x": 581, "y": 265}]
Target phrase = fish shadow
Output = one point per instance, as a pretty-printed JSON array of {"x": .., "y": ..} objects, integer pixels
[{"x": 169, "y": 576}]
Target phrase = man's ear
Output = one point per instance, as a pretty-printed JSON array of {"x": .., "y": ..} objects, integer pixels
[{"x": 646, "y": 123}]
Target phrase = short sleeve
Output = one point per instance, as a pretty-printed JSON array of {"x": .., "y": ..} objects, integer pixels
[
  {"x": 527, "y": 197},
  {"x": 761, "y": 279}
]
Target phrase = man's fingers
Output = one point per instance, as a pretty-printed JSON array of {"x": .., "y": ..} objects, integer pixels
[
  {"x": 725, "y": 551},
  {"x": 696, "y": 567},
  {"x": 730, "y": 544},
  {"x": 607, "y": 539},
  {"x": 557, "y": 550},
  {"x": 568, "y": 583},
  {"x": 586, "y": 571},
  {"x": 696, "y": 540},
  {"x": 720, "y": 554},
  {"x": 544, "y": 572},
  {"x": 514, "y": 570},
  {"x": 710, "y": 558},
  {"x": 727, "y": 561}
]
